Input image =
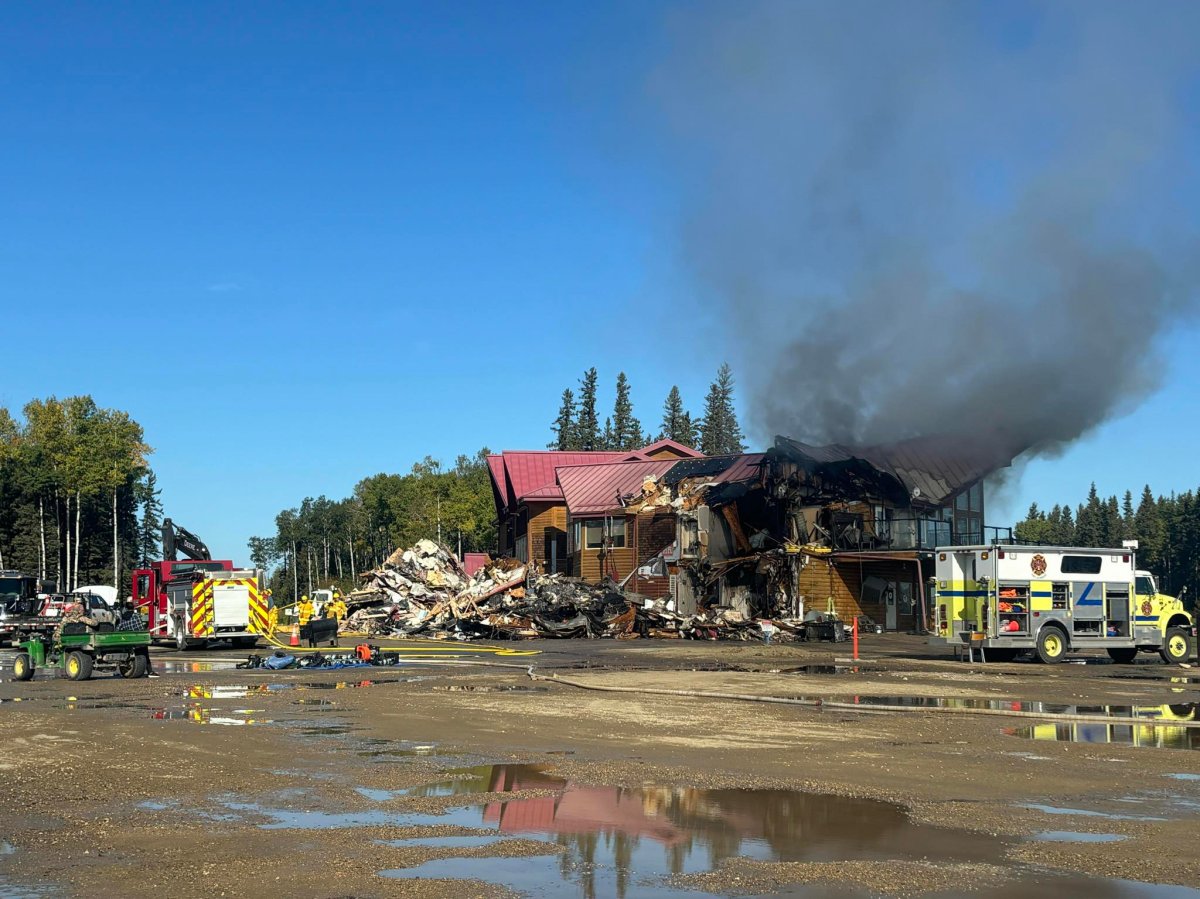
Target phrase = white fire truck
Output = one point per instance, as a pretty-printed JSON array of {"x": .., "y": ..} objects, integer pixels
[{"x": 1051, "y": 599}]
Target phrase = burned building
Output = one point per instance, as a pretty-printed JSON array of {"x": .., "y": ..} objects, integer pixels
[
  {"x": 836, "y": 529},
  {"x": 794, "y": 530}
]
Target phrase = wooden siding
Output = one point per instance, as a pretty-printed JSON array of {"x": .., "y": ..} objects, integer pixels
[{"x": 842, "y": 579}]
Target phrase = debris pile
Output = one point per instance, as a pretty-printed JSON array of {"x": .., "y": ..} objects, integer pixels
[{"x": 424, "y": 591}]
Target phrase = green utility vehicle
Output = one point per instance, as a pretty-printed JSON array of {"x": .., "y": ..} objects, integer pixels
[{"x": 78, "y": 654}]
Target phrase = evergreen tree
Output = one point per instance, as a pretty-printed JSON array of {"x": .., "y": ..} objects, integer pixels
[
  {"x": 719, "y": 431},
  {"x": 1148, "y": 530},
  {"x": 149, "y": 535},
  {"x": 1036, "y": 528},
  {"x": 608, "y": 440},
  {"x": 1127, "y": 516},
  {"x": 564, "y": 423},
  {"x": 1114, "y": 529},
  {"x": 626, "y": 429},
  {"x": 1069, "y": 535},
  {"x": 587, "y": 425},
  {"x": 1089, "y": 522},
  {"x": 673, "y": 417},
  {"x": 689, "y": 434}
]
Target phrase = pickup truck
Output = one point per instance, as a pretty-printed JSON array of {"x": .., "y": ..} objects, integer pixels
[{"x": 20, "y": 617}]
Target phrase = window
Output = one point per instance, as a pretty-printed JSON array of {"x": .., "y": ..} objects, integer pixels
[
  {"x": 1145, "y": 586},
  {"x": 594, "y": 530},
  {"x": 1081, "y": 564}
]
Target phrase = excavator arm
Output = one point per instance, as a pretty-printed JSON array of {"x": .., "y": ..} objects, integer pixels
[{"x": 176, "y": 540}]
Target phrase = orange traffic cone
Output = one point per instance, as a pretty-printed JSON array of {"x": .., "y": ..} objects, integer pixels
[{"x": 295, "y": 638}]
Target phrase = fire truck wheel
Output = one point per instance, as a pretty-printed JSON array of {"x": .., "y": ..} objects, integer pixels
[
  {"x": 1177, "y": 646},
  {"x": 1124, "y": 655},
  {"x": 79, "y": 666},
  {"x": 23, "y": 667},
  {"x": 181, "y": 642},
  {"x": 1051, "y": 644}
]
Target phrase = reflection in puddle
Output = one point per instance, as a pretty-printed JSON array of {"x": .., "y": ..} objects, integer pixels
[
  {"x": 198, "y": 714},
  {"x": 1161, "y": 736},
  {"x": 1075, "y": 836},
  {"x": 618, "y": 841},
  {"x": 177, "y": 666},
  {"x": 1187, "y": 711}
]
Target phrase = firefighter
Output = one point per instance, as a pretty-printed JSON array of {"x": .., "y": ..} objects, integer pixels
[
  {"x": 74, "y": 613},
  {"x": 305, "y": 610},
  {"x": 336, "y": 608}
]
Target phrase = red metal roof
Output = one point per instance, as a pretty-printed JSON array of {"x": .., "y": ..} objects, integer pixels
[
  {"x": 593, "y": 489},
  {"x": 527, "y": 472},
  {"x": 499, "y": 487}
]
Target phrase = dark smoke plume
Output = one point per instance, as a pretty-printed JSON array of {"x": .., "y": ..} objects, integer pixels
[{"x": 929, "y": 218}]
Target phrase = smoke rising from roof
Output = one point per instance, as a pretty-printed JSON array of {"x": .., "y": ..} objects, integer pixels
[{"x": 925, "y": 218}]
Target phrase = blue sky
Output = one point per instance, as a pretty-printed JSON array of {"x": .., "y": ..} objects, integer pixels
[{"x": 305, "y": 243}]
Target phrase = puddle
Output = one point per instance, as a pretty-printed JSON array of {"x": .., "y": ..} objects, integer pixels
[
  {"x": 7, "y": 848},
  {"x": 198, "y": 714},
  {"x": 1184, "y": 776},
  {"x": 399, "y": 751},
  {"x": 820, "y": 669},
  {"x": 1075, "y": 836},
  {"x": 618, "y": 841},
  {"x": 177, "y": 666},
  {"x": 1186, "y": 711},
  {"x": 158, "y": 805},
  {"x": 1141, "y": 736},
  {"x": 1088, "y": 813}
]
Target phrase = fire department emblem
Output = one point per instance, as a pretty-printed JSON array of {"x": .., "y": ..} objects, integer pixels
[
  {"x": 1038, "y": 565},
  {"x": 1147, "y": 609}
]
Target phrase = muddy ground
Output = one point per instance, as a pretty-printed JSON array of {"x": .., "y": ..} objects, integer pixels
[{"x": 907, "y": 773}]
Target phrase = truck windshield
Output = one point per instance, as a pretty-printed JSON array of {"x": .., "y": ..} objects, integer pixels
[
  {"x": 16, "y": 588},
  {"x": 1145, "y": 586}
]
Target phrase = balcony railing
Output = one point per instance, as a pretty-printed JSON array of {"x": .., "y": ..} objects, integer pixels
[{"x": 913, "y": 533}]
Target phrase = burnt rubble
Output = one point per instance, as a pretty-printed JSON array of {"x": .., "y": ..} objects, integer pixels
[{"x": 424, "y": 591}]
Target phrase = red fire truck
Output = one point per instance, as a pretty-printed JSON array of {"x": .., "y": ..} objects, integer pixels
[{"x": 192, "y": 601}]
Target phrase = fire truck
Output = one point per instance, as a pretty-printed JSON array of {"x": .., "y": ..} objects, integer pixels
[
  {"x": 193, "y": 601},
  {"x": 1051, "y": 599}
]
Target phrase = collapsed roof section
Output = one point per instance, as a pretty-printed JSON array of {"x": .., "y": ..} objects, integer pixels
[{"x": 925, "y": 471}]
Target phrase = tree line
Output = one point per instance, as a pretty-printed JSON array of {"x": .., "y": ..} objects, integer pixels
[
  {"x": 322, "y": 542},
  {"x": 1167, "y": 529},
  {"x": 715, "y": 432},
  {"x": 80, "y": 503}
]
